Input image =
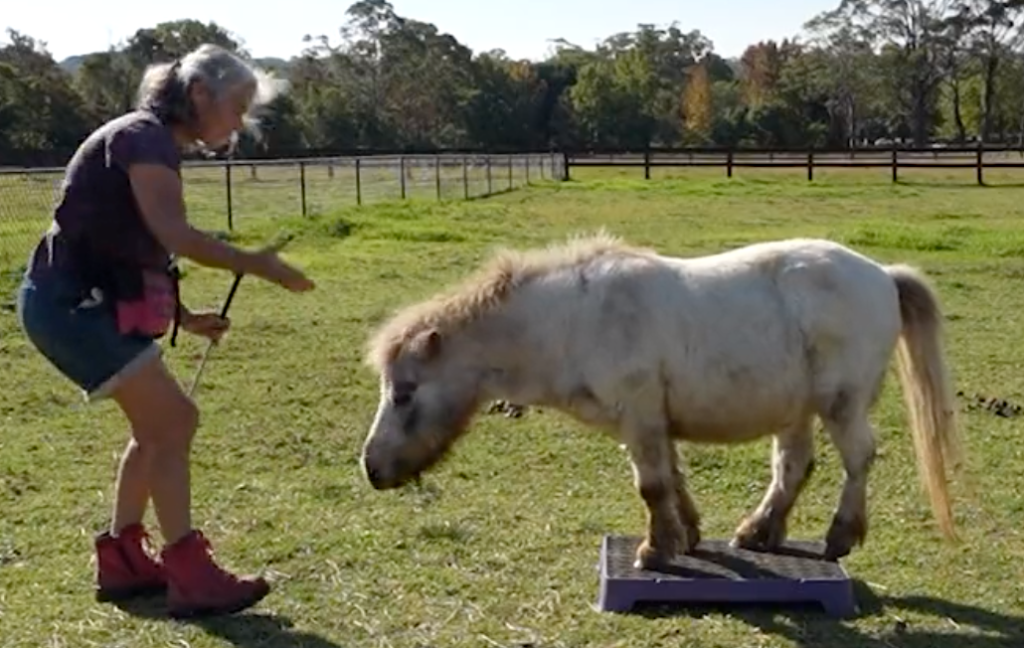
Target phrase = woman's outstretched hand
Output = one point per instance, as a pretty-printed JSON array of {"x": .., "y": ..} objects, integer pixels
[{"x": 270, "y": 266}]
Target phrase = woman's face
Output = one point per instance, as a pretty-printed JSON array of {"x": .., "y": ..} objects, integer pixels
[{"x": 219, "y": 118}]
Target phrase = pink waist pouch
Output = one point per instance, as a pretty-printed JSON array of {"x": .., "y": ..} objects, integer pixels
[{"x": 153, "y": 313}]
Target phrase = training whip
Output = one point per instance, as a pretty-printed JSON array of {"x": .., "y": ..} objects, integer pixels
[{"x": 276, "y": 247}]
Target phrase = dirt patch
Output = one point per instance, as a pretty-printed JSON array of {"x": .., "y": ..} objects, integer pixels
[
  {"x": 992, "y": 404},
  {"x": 974, "y": 403},
  {"x": 510, "y": 410}
]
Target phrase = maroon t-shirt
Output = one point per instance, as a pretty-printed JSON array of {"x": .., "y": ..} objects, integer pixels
[{"x": 97, "y": 228}]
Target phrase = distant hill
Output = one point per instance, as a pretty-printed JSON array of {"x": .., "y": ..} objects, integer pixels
[
  {"x": 72, "y": 63},
  {"x": 273, "y": 63}
]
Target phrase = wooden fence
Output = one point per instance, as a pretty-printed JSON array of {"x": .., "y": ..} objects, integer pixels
[{"x": 894, "y": 158}]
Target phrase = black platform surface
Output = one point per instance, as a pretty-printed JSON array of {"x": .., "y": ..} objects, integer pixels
[{"x": 717, "y": 573}]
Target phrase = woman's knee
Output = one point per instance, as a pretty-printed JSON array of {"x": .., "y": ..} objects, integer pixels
[
  {"x": 179, "y": 427},
  {"x": 160, "y": 413},
  {"x": 170, "y": 428}
]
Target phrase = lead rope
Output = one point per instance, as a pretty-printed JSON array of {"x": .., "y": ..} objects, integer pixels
[{"x": 175, "y": 279}]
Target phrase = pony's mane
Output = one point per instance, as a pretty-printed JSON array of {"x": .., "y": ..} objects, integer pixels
[{"x": 485, "y": 290}]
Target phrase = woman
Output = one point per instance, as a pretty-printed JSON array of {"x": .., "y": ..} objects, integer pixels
[{"x": 98, "y": 291}]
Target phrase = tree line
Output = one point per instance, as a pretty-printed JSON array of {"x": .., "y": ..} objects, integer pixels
[{"x": 868, "y": 71}]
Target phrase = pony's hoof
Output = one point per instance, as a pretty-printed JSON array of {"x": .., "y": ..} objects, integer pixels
[
  {"x": 833, "y": 552},
  {"x": 843, "y": 536},
  {"x": 692, "y": 538},
  {"x": 758, "y": 534},
  {"x": 652, "y": 558},
  {"x": 648, "y": 558}
]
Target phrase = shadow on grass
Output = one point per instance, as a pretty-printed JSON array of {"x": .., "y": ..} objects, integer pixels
[
  {"x": 245, "y": 630},
  {"x": 807, "y": 626}
]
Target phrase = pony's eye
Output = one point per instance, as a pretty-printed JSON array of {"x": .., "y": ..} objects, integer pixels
[
  {"x": 403, "y": 398},
  {"x": 402, "y": 394}
]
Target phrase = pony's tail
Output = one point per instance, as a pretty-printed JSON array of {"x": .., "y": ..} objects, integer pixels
[{"x": 927, "y": 389}]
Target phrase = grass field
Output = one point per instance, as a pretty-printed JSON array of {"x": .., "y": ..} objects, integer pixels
[{"x": 502, "y": 549}]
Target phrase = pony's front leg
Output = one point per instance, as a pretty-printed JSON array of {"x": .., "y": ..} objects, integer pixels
[
  {"x": 660, "y": 486},
  {"x": 792, "y": 465}
]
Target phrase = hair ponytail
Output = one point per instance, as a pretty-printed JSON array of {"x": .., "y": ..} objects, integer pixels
[{"x": 163, "y": 91}]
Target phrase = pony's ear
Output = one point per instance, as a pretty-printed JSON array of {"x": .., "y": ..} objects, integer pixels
[{"x": 428, "y": 343}]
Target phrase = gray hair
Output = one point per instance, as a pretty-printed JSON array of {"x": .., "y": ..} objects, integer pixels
[{"x": 164, "y": 87}]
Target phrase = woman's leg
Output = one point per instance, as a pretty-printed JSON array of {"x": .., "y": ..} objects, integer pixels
[
  {"x": 164, "y": 421},
  {"x": 81, "y": 340},
  {"x": 131, "y": 490},
  {"x": 126, "y": 566}
]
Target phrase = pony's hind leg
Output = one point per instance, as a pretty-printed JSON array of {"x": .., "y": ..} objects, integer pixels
[
  {"x": 662, "y": 489},
  {"x": 848, "y": 427},
  {"x": 688, "y": 513},
  {"x": 792, "y": 465}
]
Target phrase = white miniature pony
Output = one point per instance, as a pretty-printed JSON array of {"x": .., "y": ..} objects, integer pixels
[{"x": 716, "y": 349}]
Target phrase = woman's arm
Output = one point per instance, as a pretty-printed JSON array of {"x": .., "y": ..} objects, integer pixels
[
  {"x": 149, "y": 156},
  {"x": 160, "y": 197},
  {"x": 146, "y": 151}
]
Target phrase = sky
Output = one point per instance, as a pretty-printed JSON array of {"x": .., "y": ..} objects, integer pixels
[{"x": 523, "y": 28}]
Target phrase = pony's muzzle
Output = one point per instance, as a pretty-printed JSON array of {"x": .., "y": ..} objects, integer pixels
[
  {"x": 376, "y": 478},
  {"x": 391, "y": 475}
]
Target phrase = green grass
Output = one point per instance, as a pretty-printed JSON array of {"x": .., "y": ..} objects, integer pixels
[{"x": 501, "y": 551}]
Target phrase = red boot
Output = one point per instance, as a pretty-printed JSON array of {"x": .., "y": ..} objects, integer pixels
[
  {"x": 124, "y": 567},
  {"x": 197, "y": 586}
]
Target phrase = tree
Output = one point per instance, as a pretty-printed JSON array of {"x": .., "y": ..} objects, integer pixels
[
  {"x": 866, "y": 70},
  {"x": 107, "y": 84},
  {"x": 992, "y": 29},
  {"x": 910, "y": 36},
  {"x": 39, "y": 109},
  {"x": 697, "y": 104},
  {"x": 761, "y": 68}
]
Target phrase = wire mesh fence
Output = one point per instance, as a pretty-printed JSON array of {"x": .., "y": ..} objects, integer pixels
[{"x": 222, "y": 196}]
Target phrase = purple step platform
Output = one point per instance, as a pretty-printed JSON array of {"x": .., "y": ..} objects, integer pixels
[{"x": 715, "y": 573}]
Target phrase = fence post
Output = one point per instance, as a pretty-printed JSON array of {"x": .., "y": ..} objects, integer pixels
[
  {"x": 527, "y": 169},
  {"x": 437, "y": 175},
  {"x": 227, "y": 195},
  {"x": 810, "y": 164},
  {"x": 647, "y": 164},
  {"x": 465, "y": 177},
  {"x": 359, "y": 184},
  {"x": 895, "y": 163},
  {"x": 510, "y": 172},
  {"x": 401, "y": 174},
  {"x": 728, "y": 163},
  {"x": 487, "y": 161},
  {"x": 565, "y": 166},
  {"x": 980, "y": 163},
  {"x": 302, "y": 183}
]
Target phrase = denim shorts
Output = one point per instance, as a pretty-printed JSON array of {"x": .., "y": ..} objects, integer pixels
[{"x": 79, "y": 337}]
